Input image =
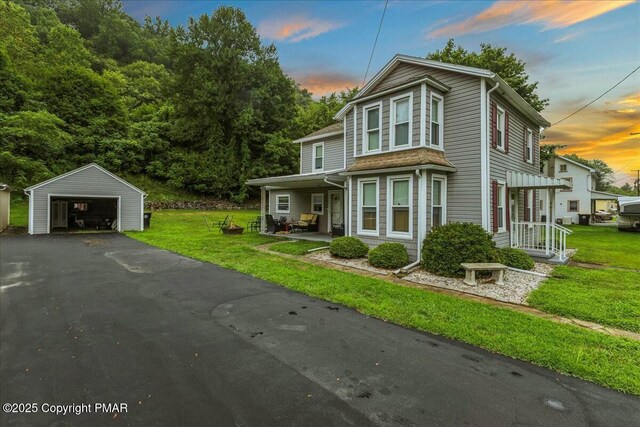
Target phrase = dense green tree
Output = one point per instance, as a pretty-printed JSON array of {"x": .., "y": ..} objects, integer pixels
[
  {"x": 496, "y": 59},
  {"x": 14, "y": 88},
  {"x": 230, "y": 96},
  {"x": 312, "y": 115},
  {"x": 604, "y": 174}
]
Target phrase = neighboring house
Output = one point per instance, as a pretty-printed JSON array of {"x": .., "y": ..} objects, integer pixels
[
  {"x": 423, "y": 143},
  {"x": 88, "y": 197},
  {"x": 582, "y": 197},
  {"x": 5, "y": 206}
]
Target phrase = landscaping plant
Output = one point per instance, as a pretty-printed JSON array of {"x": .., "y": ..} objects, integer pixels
[
  {"x": 389, "y": 255},
  {"x": 447, "y": 246},
  {"x": 516, "y": 258},
  {"x": 348, "y": 247}
]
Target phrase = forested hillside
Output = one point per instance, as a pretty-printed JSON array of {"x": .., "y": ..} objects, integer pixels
[{"x": 201, "y": 107}]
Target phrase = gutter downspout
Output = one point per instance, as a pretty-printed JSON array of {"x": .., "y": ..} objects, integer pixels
[
  {"x": 335, "y": 184},
  {"x": 406, "y": 267},
  {"x": 485, "y": 154}
]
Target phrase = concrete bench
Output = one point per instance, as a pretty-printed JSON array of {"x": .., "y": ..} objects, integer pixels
[{"x": 496, "y": 269}]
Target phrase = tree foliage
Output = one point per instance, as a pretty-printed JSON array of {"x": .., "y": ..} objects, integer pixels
[
  {"x": 508, "y": 66},
  {"x": 603, "y": 175}
]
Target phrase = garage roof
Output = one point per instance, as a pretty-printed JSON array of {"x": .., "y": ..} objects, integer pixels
[{"x": 90, "y": 165}]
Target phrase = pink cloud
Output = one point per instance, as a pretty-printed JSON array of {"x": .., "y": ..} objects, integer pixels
[{"x": 295, "y": 29}]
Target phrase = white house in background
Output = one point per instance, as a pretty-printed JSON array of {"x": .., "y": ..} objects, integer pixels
[{"x": 582, "y": 196}]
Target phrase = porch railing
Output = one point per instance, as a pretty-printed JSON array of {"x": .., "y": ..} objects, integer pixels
[{"x": 540, "y": 236}]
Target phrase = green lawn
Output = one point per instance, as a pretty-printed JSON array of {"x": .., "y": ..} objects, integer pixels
[
  {"x": 607, "y": 360},
  {"x": 299, "y": 247},
  {"x": 605, "y": 245},
  {"x": 19, "y": 213},
  {"x": 608, "y": 296}
]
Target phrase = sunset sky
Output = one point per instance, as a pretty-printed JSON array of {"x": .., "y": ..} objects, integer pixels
[{"x": 576, "y": 50}]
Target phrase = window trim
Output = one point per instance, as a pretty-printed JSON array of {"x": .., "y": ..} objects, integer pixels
[
  {"x": 288, "y": 196},
  {"x": 406, "y": 235},
  {"x": 321, "y": 211},
  {"x": 529, "y": 147},
  {"x": 313, "y": 157},
  {"x": 530, "y": 206},
  {"x": 500, "y": 142},
  {"x": 365, "y": 139},
  {"x": 392, "y": 122},
  {"x": 360, "y": 231},
  {"x": 443, "y": 193},
  {"x": 440, "y": 121},
  {"x": 577, "y": 206},
  {"x": 566, "y": 168},
  {"x": 502, "y": 184}
]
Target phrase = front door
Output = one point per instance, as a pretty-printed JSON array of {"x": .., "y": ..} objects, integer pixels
[
  {"x": 59, "y": 214},
  {"x": 336, "y": 210}
]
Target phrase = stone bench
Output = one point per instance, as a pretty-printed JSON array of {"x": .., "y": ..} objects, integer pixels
[{"x": 496, "y": 269}]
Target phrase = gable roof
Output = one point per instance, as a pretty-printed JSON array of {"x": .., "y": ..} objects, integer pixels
[
  {"x": 592, "y": 170},
  {"x": 80, "y": 169},
  {"x": 333, "y": 129},
  {"x": 401, "y": 159},
  {"x": 509, "y": 93}
]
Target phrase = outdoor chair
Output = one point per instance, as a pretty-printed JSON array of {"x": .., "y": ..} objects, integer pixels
[
  {"x": 307, "y": 222},
  {"x": 254, "y": 225},
  {"x": 274, "y": 226}
]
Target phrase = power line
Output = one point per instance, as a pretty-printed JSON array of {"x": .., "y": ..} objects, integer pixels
[
  {"x": 375, "y": 43},
  {"x": 609, "y": 90}
]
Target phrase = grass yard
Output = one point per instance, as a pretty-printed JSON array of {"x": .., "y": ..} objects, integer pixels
[
  {"x": 606, "y": 246},
  {"x": 299, "y": 247},
  {"x": 607, "y": 296},
  {"x": 607, "y": 360},
  {"x": 19, "y": 213}
]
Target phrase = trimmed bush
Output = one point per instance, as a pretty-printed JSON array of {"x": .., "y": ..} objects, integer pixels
[
  {"x": 516, "y": 258},
  {"x": 447, "y": 246},
  {"x": 389, "y": 255},
  {"x": 348, "y": 247}
]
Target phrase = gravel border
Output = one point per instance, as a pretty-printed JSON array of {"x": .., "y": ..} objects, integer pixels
[
  {"x": 359, "y": 263},
  {"x": 516, "y": 289}
]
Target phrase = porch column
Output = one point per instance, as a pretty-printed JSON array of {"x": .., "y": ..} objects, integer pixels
[
  {"x": 547, "y": 229},
  {"x": 263, "y": 208}
]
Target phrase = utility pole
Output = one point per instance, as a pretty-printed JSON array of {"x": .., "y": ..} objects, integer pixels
[{"x": 637, "y": 181}]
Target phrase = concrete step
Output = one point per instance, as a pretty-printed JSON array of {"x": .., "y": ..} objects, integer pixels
[{"x": 541, "y": 256}]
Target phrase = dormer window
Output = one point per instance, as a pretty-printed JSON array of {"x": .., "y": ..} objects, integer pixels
[
  {"x": 437, "y": 118},
  {"x": 401, "y": 120},
  {"x": 372, "y": 127}
]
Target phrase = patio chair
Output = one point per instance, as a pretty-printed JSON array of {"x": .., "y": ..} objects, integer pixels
[
  {"x": 254, "y": 225},
  {"x": 225, "y": 223},
  {"x": 274, "y": 226},
  {"x": 307, "y": 222}
]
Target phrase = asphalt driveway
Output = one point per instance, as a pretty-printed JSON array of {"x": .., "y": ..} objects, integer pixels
[{"x": 91, "y": 319}]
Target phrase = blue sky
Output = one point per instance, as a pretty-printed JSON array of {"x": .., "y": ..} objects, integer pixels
[{"x": 576, "y": 50}]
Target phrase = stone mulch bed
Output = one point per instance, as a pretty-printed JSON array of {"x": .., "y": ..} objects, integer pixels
[
  {"x": 516, "y": 289},
  {"x": 359, "y": 263},
  {"x": 204, "y": 204}
]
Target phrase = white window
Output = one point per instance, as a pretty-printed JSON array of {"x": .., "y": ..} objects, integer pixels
[
  {"x": 368, "y": 207},
  {"x": 400, "y": 206},
  {"x": 500, "y": 120},
  {"x": 438, "y": 200},
  {"x": 529, "y": 153},
  {"x": 318, "y": 157},
  {"x": 530, "y": 195},
  {"x": 401, "y": 116},
  {"x": 283, "y": 203},
  {"x": 501, "y": 197},
  {"x": 372, "y": 127},
  {"x": 437, "y": 121},
  {"x": 317, "y": 203},
  {"x": 563, "y": 168},
  {"x": 574, "y": 205}
]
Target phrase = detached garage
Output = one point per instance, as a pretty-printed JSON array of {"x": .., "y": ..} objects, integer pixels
[{"x": 89, "y": 197}]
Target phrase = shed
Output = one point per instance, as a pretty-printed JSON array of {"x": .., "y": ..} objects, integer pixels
[
  {"x": 89, "y": 197},
  {"x": 5, "y": 206}
]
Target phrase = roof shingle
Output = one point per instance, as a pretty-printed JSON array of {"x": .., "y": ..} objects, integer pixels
[{"x": 404, "y": 158}]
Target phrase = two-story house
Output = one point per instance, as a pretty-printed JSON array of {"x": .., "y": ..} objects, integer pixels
[
  {"x": 582, "y": 198},
  {"x": 423, "y": 143}
]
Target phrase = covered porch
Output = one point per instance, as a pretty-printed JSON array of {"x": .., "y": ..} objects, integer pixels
[
  {"x": 315, "y": 201},
  {"x": 538, "y": 235}
]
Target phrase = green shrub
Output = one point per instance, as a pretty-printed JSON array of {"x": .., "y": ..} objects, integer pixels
[
  {"x": 389, "y": 255},
  {"x": 516, "y": 258},
  {"x": 447, "y": 246},
  {"x": 348, "y": 247}
]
